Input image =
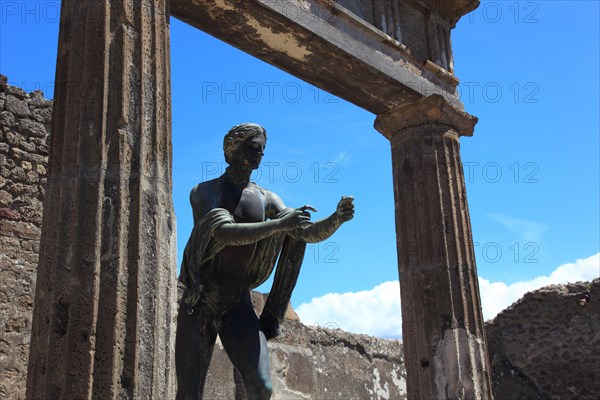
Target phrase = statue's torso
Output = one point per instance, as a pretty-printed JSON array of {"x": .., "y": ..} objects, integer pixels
[{"x": 247, "y": 205}]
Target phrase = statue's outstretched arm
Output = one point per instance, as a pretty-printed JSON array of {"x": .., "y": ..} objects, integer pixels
[
  {"x": 320, "y": 230},
  {"x": 239, "y": 234}
]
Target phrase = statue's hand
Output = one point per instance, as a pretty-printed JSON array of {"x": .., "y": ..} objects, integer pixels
[
  {"x": 298, "y": 218},
  {"x": 345, "y": 208}
]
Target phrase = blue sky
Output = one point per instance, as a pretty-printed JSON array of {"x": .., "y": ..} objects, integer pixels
[{"x": 528, "y": 70}]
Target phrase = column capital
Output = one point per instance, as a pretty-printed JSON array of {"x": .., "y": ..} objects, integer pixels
[{"x": 430, "y": 110}]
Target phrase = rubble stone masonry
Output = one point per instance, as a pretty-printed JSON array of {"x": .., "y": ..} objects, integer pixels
[
  {"x": 546, "y": 346},
  {"x": 24, "y": 129}
]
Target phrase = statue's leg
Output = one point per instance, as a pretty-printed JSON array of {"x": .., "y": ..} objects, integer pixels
[
  {"x": 196, "y": 335},
  {"x": 245, "y": 343}
]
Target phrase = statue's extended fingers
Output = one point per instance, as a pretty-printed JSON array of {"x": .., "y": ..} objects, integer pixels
[{"x": 309, "y": 208}]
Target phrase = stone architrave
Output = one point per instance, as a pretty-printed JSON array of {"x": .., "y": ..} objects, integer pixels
[
  {"x": 443, "y": 333},
  {"x": 103, "y": 324}
]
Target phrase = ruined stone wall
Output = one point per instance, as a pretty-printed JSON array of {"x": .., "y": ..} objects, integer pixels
[
  {"x": 547, "y": 345},
  {"x": 314, "y": 363},
  {"x": 24, "y": 128}
]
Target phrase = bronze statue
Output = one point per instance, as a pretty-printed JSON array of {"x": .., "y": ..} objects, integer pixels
[{"x": 240, "y": 231}]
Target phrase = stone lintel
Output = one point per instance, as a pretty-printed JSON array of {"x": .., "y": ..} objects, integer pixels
[
  {"x": 431, "y": 110},
  {"x": 324, "y": 44}
]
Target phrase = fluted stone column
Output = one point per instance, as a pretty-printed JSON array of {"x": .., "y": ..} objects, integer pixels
[
  {"x": 104, "y": 311},
  {"x": 442, "y": 324}
]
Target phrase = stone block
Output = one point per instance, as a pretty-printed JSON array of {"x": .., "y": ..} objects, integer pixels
[
  {"x": 7, "y": 119},
  {"x": 7, "y": 213},
  {"x": 10, "y": 245},
  {"x": 5, "y": 198},
  {"x": 15, "y": 325},
  {"x": 43, "y": 115},
  {"x": 31, "y": 214},
  {"x": 37, "y": 100},
  {"x": 28, "y": 147},
  {"x": 18, "y": 107},
  {"x": 17, "y": 174},
  {"x": 16, "y": 92},
  {"x": 22, "y": 155},
  {"x": 41, "y": 145},
  {"x": 26, "y": 230},
  {"x": 12, "y": 138},
  {"x": 28, "y": 128}
]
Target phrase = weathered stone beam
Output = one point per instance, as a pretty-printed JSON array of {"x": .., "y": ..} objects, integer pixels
[
  {"x": 105, "y": 303},
  {"x": 324, "y": 44}
]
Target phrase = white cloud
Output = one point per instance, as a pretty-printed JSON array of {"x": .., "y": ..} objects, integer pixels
[
  {"x": 376, "y": 312},
  {"x": 496, "y": 296}
]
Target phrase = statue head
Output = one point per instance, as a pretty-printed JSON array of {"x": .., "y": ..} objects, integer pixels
[{"x": 244, "y": 144}]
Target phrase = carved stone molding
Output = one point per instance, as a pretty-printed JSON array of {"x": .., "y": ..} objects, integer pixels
[{"x": 430, "y": 110}]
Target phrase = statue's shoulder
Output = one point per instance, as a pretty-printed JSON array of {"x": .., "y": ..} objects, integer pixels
[
  {"x": 273, "y": 202},
  {"x": 270, "y": 197},
  {"x": 207, "y": 185},
  {"x": 262, "y": 190},
  {"x": 204, "y": 190}
]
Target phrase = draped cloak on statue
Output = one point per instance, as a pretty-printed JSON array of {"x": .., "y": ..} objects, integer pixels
[{"x": 207, "y": 285}]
